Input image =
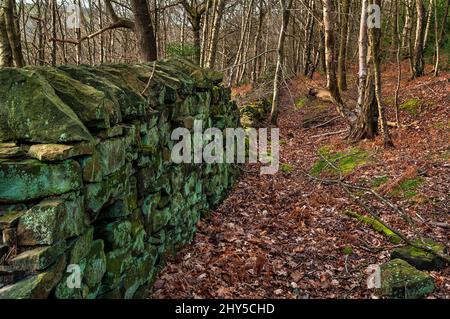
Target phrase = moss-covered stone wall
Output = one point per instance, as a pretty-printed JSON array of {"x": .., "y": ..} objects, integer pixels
[{"x": 86, "y": 178}]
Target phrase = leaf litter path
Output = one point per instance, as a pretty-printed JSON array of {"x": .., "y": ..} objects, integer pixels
[{"x": 283, "y": 236}]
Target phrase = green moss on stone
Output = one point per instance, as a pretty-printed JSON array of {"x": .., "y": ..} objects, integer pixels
[
  {"x": 30, "y": 179},
  {"x": 400, "y": 280},
  {"x": 37, "y": 286},
  {"x": 31, "y": 111},
  {"x": 420, "y": 258}
]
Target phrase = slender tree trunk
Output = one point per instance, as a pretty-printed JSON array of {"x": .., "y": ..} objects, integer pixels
[
  {"x": 6, "y": 58},
  {"x": 220, "y": 5},
  {"x": 309, "y": 42},
  {"x": 406, "y": 38},
  {"x": 366, "y": 125},
  {"x": 398, "y": 58},
  {"x": 342, "y": 69},
  {"x": 285, "y": 6},
  {"x": 78, "y": 32},
  {"x": 196, "y": 21},
  {"x": 436, "y": 65},
  {"x": 330, "y": 60},
  {"x": 102, "y": 37},
  {"x": 444, "y": 25},
  {"x": 246, "y": 22},
  {"x": 427, "y": 28},
  {"x": 13, "y": 33},
  {"x": 183, "y": 30},
  {"x": 254, "y": 75},
  {"x": 375, "y": 37},
  {"x": 54, "y": 35},
  {"x": 418, "y": 43},
  {"x": 205, "y": 32},
  {"x": 363, "y": 45}
]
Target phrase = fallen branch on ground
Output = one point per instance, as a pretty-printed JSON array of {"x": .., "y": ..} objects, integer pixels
[
  {"x": 442, "y": 225},
  {"x": 371, "y": 211},
  {"x": 330, "y": 133},
  {"x": 325, "y": 123}
]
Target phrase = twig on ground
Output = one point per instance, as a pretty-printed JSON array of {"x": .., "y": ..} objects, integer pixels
[
  {"x": 246, "y": 170},
  {"x": 330, "y": 133},
  {"x": 438, "y": 224},
  {"x": 325, "y": 123}
]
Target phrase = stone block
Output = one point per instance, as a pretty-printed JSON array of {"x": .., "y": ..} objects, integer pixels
[{"x": 31, "y": 179}]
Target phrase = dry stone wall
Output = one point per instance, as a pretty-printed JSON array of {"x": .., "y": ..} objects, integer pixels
[{"x": 86, "y": 181}]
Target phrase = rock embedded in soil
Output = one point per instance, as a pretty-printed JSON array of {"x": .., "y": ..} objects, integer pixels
[
  {"x": 400, "y": 280},
  {"x": 419, "y": 258}
]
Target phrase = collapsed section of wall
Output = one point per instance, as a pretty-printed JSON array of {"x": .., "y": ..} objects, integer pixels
[{"x": 90, "y": 201}]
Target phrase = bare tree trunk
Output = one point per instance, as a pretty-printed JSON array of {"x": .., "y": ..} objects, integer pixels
[
  {"x": 342, "y": 69},
  {"x": 183, "y": 30},
  {"x": 363, "y": 44},
  {"x": 194, "y": 14},
  {"x": 406, "y": 38},
  {"x": 308, "y": 63},
  {"x": 367, "y": 121},
  {"x": 6, "y": 58},
  {"x": 427, "y": 28},
  {"x": 443, "y": 25},
  {"x": 241, "y": 41},
  {"x": 13, "y": 32},
  {"x": 220, "y": 5},
  {"x": 102, "y": 37},
  {"x": 285, "y": 7},
  {"x": 375, "y": 37},
  {"x": 78, "y": 32},
  {"x": 54, "y": 35},
  {"x": 418, "y": 43},
  {"x": 205, "y": 32},
  {"x": 398, "y": 57},
  {"x": 254, "y": 75},
  {"x": 330, "y": 60},
  {"x": 144, "y": 31},
  {"x": 436, "y": 65}
]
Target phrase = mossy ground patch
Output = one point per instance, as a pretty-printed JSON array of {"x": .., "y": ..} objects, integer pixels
[
  {"x": 411, "y": 106},
  {"x": 336, "y": 162}
]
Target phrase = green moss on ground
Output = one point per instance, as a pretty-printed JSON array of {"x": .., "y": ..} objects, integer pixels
[
  {"x": 411, "y": 106},
  {"x": 286, "y": 168},
  {"x": 408, "y": 188},
  {"x": 375, "y": 225},
  {"x": 378, "y": 181},
  {"x": 300, "y": 103},
  {"x": 345, "y": 162},
  {"x": 347, "y": 250},
  {"x": 420, "y": 258}
]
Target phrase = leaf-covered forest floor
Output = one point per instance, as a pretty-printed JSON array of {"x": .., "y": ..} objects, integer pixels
[{"x": 286, "y": 236}]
